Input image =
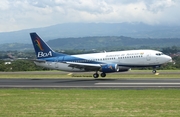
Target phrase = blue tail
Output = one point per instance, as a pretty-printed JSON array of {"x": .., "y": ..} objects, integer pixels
[{"x": 41, "y": 48}]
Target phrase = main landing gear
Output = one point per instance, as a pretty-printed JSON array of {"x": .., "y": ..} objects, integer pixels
[{"x": 96, "y": 75}]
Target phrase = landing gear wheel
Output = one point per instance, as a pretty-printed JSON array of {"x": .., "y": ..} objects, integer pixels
[
  {"x": 103, "y": 74},
  {"x": 154, "y": 71},
  {"x": 95, "y": 75}
]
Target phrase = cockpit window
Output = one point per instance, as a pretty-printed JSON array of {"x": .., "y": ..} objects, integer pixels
[{"x": 159, "y": 54}]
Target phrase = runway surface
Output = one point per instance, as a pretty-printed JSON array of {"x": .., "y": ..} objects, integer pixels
[{"x": 91, "y": 83}]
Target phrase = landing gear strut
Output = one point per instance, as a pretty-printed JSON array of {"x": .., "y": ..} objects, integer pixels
[{"x": 154, "y": 69}]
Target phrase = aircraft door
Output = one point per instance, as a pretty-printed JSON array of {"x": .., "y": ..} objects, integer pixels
[
  {"x": 148, "y": 57},
  {"x": 56, "y": 62},
  {"x": 156, "y": 59}
]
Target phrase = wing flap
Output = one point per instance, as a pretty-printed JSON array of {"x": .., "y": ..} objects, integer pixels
[{"x": 86, "y": 66}]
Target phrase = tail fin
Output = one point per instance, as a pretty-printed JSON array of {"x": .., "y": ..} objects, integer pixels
[{"x": 41, "y": 48}]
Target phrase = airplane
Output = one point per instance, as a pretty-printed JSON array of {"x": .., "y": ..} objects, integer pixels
[{"x": 105, "y": 62}]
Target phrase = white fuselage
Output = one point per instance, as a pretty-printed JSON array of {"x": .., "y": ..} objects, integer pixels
[{"x": 130, "y": 58}]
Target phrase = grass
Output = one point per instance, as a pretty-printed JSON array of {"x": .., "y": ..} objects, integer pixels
[
  {"x": 89, "y": 103},
  {"x": 86, "y": 102},
  {"x": 59, "y": 74}
]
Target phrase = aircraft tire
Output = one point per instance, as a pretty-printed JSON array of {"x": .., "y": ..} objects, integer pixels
[
  {"x": 103, "y": 74},
  {"x": 95, "y": 75},
  {"x": 154, "y": 71}
]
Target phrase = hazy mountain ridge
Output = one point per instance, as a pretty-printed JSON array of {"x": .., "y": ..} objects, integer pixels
[
  {"x": 134, "y": 30},
  {"x": 111, "y": 42},
  {"x": 15, "y": 46},
  {"x": 98, "y": 42}
]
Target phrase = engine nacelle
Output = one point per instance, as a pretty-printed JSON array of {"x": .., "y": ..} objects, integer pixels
[{"x": 108, "y": 68}]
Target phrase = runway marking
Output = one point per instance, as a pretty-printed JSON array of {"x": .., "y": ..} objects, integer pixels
[{"x": 137, "y": 83}]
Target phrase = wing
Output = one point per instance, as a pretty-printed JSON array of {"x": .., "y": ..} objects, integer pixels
[{"x": 85, "y": 66}]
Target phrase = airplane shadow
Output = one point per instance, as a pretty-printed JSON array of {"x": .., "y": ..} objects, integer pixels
[{"x": 82, "y": 80}]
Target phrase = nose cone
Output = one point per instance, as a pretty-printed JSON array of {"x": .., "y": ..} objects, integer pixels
[{"x": 169, "y": 59}]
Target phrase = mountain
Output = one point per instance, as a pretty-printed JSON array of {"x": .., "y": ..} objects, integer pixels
[
  {"x": 99, "y": 43},
  {"x": 134, "y": 30},
  {"x": 111, "y": 42}
]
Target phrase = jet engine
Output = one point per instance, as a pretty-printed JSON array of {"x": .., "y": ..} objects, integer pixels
[{"x": 108, "y": 68}]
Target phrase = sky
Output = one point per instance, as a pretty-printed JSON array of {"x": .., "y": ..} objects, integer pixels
[{"x": 25, "y": 14}]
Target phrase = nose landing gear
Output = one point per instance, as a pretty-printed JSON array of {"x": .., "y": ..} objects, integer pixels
[{"x": 154, "y": 69}]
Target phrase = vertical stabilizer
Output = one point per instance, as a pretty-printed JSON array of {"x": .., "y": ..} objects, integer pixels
[{"x": 41, "y": 48}]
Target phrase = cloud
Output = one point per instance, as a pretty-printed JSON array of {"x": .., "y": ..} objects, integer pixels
[
  {"x": 4, "y": 5},
  {"x": 22, "y": 14}
]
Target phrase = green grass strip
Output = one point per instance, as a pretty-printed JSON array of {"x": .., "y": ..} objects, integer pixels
[
  {"x": 59, "y": 74},
  {"x": 89, "y": 103}
]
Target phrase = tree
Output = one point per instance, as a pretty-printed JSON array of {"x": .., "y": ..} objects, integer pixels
[{"x": 24, "y": 65}]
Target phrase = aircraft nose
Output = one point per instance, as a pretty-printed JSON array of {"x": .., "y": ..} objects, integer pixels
[{"x": 169, "y": 59}]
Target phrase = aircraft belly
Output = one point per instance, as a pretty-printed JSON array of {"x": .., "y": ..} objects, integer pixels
[
  {"x": 65, "y": 67},
  {"x": 58, "y": 66}
]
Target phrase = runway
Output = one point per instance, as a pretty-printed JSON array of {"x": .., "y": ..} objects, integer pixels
[{"x": 91, "y": 83}]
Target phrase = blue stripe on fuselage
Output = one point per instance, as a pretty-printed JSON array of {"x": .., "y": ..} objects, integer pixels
[{"x": 70, "y": 58}]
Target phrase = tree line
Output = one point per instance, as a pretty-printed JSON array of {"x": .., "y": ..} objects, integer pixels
[{"x": 28, "y": 65}]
